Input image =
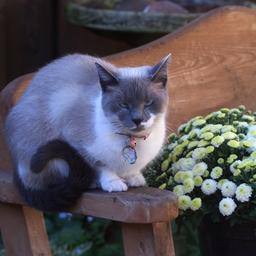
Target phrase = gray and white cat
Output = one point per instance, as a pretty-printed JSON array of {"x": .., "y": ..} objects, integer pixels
[{"x": 69, "y": 129}]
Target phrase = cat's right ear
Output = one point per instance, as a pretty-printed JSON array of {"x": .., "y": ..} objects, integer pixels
[{"x": 106, "y": 77}]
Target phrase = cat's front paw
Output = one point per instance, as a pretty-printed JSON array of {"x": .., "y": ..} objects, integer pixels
[
  {"x": 114, "y": 185},
  {"x": 136, "y": 180}
]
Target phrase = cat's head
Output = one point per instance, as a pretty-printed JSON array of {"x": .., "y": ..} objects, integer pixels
[{"x": 133, "y": 99}]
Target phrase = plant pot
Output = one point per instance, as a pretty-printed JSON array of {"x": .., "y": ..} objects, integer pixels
[{"x": 220, "y": 239}]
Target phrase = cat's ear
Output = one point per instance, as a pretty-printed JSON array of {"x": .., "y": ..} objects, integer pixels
[
  {"x": 158, "y": 73},
  {"x": 107, "y": 78}
]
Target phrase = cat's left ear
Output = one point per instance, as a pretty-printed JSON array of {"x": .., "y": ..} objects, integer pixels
[
  {"x": 107, "y": 78},
  {"x": 159, "y": 71}
]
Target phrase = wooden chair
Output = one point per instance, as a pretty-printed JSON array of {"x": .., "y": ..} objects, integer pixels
[{"x": 214, "y": 65}]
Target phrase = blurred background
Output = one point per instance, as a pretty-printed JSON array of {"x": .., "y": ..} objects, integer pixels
[{"x": 32, "y": 33}]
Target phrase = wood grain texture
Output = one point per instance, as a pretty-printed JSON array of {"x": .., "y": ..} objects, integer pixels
[
  {"x": 148, "y": 239},
  {"x": 140, "y": 205},
  {"x": 23, "y": 231}
]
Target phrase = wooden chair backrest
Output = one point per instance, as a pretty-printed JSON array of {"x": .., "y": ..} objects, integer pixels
[{"x": 213, "y": 66}]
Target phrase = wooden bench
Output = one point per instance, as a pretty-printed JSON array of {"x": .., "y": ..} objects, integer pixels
[{"x": 214, "y": 65}]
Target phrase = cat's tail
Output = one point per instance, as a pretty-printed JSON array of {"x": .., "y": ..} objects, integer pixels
[{"x": 61, "y": 192}]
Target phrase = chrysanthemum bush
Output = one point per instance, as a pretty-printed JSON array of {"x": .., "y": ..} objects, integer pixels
[{"x": 211, "y": 165}]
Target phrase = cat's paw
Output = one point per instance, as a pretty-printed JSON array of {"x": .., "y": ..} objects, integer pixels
[
  {"x": 114, "y": 185},
  {"x": 136, "y": 180}
]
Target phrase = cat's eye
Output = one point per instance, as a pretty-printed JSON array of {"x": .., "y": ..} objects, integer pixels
[
  {"x": 124, "y": 105},
  {"x": 148, "y": 103}
]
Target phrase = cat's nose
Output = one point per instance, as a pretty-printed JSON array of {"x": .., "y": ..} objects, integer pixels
[{"x": 137, "y": 121}]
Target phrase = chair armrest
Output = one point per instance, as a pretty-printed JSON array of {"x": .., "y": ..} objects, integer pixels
[{"x": 138, "y": 205}]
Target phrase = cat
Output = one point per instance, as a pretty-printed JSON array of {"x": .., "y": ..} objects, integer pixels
[{"x": 73, "y": 127}]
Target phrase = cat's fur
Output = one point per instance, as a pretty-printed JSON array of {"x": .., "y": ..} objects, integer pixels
[{"x": 63, "y": 134}]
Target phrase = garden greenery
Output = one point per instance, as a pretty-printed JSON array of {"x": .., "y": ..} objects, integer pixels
[{"x": 211, "y": 166}]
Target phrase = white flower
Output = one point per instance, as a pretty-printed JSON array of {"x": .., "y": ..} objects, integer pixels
[
  {"x": 215, "y": 128},
  {"x": 228, "y": 189},
  {"x": 243, "y": 192},
  {"x": 209, "y": 186},
  {"x": 242, "y": 124},
  {"x": 186, "y": 164},
  {"x": 217, "y": 141},
  {"x": 188, "y": 185},
  {"x": 234, "y": 165},
  {"x": 184, "y": 137},
  {"x": 184, "y": 202},
  {"x": 220, "y": 183},
  {"x": 199, "y": 169},
  {"x": 227, "y": 206},
  {"x": 216, "y": 172},
  {"x": 199, "y": 153},
  {"x": 178, "y": 190},
  {"x": 228, "y": 128},
  {"x": 229, "y": 135},
  {"x": 172, "y": 146},
  {"x": 196, "y": 204}
]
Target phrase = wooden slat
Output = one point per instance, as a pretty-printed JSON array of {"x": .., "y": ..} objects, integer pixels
[
  {"x": 140, "y": 205},
  {"x": 148, "y": 239},
  {"x": 23, "y": 231}
]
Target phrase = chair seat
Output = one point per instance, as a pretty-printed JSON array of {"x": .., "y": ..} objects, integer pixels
[{"x": 137, "y": 205}]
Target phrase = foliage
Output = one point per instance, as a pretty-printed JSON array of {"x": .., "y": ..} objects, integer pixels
[
  {"x": 211, "y": 166},
  {"x": 83, "y": 236}
]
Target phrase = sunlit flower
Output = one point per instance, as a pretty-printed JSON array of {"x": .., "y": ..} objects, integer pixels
[
  {"x": 196, "y": 204},
  {"x": 179, "y": 190},
  {"x": 184, "y": 202},
  {"x": 220, "y": 183},
  {"x": 178, "y": 177},
  {"x": 228, "y": 189},
  {"x": 186, "y": 164},
  {"x": 198, "y": 180},
  {"x": 229, "y": 135},
  {"x": 209, "y": 186},
  {"x": 216, "y": 172},
  {"x": 207, "y": 135},
  {"x": 232, "y": 158},
  {"x": 243, "y": 192},
  {"x": 188, "y": 185},
  {"x": 233, "y": 144},
  {"x": 234, "y": 165},
  {"x": 199, "y": 153},
  {"x": 227, "y": 206},
  {"x": 199, "y": 169},
  {"x": 199, "y": 122},
  {"x": 217, "y": 141}
]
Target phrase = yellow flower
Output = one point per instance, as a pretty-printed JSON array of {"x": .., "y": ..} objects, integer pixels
[
  {"x": 198, "y": 181},
  {"x": 217, "y": 141},
  {"x": 184, "y": 202},
  {"x": 233, "y": 144},
  {"x": 196, "y": 204}
]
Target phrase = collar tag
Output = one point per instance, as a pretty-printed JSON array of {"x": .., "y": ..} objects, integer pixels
[{"x": 130, "y": 154}]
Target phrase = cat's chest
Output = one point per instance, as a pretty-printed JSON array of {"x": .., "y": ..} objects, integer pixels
[{"x": 108, "y": 148}]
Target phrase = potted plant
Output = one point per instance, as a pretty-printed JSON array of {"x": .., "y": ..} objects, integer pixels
[{"x": 211, "y": 166}]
